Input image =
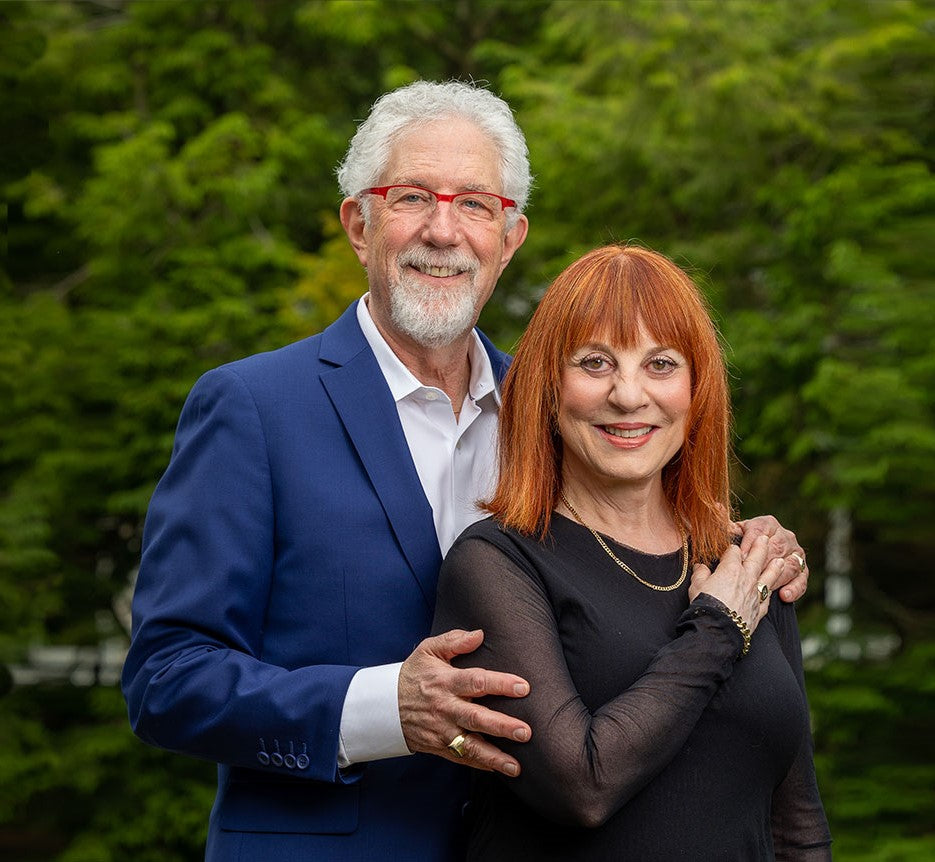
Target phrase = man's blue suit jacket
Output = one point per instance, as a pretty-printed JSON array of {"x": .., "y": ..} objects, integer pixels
[{"x": 289, "y": 544}]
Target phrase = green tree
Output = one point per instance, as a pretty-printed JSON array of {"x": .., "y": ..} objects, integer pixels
[{"x": 169, "y": 204}]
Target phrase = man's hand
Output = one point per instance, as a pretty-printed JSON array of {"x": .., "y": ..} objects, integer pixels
[
  {"x": 436, "y": 703},
  {"x": 782, "y": 543}
]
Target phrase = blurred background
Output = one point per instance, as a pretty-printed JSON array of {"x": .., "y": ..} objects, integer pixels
[{"x": 169, "y": 203}]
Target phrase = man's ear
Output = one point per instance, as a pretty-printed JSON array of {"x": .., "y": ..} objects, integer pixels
[
  {"x": 512, "y": 240},
  {"x": 352, "y": 219}
]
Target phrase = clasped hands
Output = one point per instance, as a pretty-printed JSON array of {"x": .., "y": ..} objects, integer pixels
[
  {"x": 768, "y": 559},
  {"x": 437, "y": 701}
]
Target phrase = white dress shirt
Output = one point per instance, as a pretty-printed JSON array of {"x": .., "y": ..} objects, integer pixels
[{"x": 456, "y": 460}]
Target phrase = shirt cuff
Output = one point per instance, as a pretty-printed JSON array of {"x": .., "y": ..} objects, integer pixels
[{"x": 370, "y": 727}]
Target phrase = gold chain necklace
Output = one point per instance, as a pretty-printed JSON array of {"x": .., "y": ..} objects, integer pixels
[{"x": 621, "y": 563}]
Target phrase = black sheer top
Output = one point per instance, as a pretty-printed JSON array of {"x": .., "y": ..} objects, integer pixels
[{"x": 651, "y": 741}]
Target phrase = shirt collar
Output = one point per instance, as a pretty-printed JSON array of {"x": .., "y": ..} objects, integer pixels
[{"x": 403, "y": 382}]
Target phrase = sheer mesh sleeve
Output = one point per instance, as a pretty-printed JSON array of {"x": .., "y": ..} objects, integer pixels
[
  {"x": 800, "y": 830},
  {"x": 581, "y": 766}
]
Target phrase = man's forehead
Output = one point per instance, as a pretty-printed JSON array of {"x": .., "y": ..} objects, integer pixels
[{"x": 453, "y": 150}]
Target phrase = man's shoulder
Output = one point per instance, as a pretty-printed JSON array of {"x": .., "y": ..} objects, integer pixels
[
  {"x": 328, "y": 347},
  {"x": 298, "y": 352}
]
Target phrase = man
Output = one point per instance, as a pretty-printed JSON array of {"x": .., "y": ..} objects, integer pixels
[{"x": 291, "y": 548}]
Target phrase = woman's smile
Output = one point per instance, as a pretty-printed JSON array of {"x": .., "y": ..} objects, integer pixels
[
  {"x": 623, "y": 411},
  {"x": 635, "y": 435}
]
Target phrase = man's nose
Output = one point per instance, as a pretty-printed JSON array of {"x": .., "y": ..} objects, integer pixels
[{"x": 442, "y": 224}]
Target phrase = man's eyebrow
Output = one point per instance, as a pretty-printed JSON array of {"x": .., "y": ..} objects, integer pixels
[{"x": 468, "y": 187}]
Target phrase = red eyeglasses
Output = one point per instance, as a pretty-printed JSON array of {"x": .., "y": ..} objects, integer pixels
[{"x": 419, "y": 201}]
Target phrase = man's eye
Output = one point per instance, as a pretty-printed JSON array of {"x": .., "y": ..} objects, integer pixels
[
  {"x": 404, "y": 196},
  {"x": 476, "y": 205}
]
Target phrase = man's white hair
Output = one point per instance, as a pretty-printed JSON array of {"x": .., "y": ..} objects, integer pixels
[{"x": 424, "y": 102}]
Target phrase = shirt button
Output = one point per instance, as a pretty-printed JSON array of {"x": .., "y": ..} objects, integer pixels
[{"x": 431, "y": 396}]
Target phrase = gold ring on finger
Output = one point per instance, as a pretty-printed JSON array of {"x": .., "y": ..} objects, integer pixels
[
  {"x": 762, "y": 591},
  {"x": 799, "y": 559},
  {"x": 457, "y": 745}
]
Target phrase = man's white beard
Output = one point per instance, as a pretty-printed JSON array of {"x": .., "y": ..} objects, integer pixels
[{"x": 433, "y": 317}]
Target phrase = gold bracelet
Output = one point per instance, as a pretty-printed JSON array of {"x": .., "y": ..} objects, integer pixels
[{"x": 744, "y": 630}]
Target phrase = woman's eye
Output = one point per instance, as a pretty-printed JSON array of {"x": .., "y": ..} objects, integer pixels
[
  {"x": 593, "y": 363},
  {"x": 662, "y": 364}
]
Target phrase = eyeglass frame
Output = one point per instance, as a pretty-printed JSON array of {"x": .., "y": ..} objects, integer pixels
[{"x": 439, "y": 196}]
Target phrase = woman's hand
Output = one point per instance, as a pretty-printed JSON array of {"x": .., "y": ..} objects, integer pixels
[
  {"x": 736, "y": 581},
  {"x": 782, "y": 543}
]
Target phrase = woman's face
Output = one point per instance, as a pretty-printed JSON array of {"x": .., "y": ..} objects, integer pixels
[{"x": 623, "y": 413}]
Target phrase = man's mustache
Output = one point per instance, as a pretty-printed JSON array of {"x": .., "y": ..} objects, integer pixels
[{"x": 423, "y": 258}]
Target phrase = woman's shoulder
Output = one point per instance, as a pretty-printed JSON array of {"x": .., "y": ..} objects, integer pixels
[
  {"x": 783, "y": 617},
  {"x": 549, "y": 563},
  {"x": 480, "y": 529},
  {"x": 488, "y": 563},
  {"x": 493, "y": 532}
]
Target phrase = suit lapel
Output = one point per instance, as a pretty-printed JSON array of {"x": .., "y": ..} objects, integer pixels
[
  {"x": 500, "y": 362},
  {"x": 362, "y": 399}
]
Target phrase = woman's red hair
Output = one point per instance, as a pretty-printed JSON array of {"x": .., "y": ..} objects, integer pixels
[{"x": 606, "y": 294}]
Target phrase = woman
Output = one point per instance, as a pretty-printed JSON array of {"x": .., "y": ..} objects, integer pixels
[{"x": 668, "y": 712}]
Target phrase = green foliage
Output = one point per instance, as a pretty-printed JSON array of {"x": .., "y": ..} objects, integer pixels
[
  {"x": 874, "y": 755},
  {"x": 169, "y": 204},
  {"x": 87, "y": 790}
]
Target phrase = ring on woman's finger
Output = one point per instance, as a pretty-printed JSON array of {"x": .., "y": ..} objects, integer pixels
[
  {"x": 763, "y": 592},
  {"x": 799, "y": 559},
  {"x": 457, "y": 745}
]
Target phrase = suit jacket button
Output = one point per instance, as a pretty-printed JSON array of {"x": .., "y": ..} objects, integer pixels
[
  {"x": 275, "y": 758},
  {"x": 302, "y": 761},
  {"x": 289, "y": 761},
  {"x": 263, "y": 757}
]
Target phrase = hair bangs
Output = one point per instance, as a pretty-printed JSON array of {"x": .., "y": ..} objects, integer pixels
[
  {"x": 609, "y": 297},
  {"x": 596, "y": 304},
  {"x": 604, "y": 297}
]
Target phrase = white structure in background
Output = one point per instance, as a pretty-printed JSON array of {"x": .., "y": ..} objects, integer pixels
[
  {"x": 82, "y": 665},
  {"x": 839, "y": 641},
  {"x": 839, "y": 590},
  {"x": 77, "y": 665}
]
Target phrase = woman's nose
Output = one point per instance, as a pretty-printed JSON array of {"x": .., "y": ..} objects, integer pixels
[{"x": 628, "y": 392}]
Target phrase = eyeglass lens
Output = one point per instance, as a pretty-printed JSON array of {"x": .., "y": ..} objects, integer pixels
[{"x": 476, "y": 206}]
